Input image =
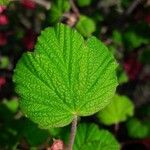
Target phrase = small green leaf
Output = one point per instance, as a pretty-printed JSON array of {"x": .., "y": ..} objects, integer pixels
[
  {"x": 85, "y": 26},
  {"x": 4, "y": 2},
  {"x": 64, "y": 77},
  {"x": 122, "y": 76},
  {"x": 4, "y": 62},
  {"x": 118, "y": 111},
  {"x": 34, "y": 135},
  {"x": 83, "y": 3},
  {"x": 117, "y": 37},
  {"x": 90, "y": 137},
  {"x": 138, "y": 129},
  {"x": 57, "y": 10},
  {"x": 12, "y": 105}
]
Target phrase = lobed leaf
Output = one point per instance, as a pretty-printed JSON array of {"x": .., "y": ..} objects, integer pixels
[
  {"x": 89, "y": 137},
  {"x": 64, "y": 77}
]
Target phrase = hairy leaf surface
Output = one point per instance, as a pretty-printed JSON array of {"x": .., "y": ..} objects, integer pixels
[{"x": 65, "y": 76}]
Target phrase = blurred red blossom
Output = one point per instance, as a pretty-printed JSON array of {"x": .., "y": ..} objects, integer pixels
[
  {"x": 29, "y": 4},
  {"x": 57, "y": 145},
  {"x": 132, "y": 67},
  {"x": 2, "y": 8},
  {"x": 3, "y": 19},
  {"x": 147, "y": 19},
  {"x": 29, "y": 40},
  {"x": 3, "y": 39},
  {"x": 2, "y": 81}
]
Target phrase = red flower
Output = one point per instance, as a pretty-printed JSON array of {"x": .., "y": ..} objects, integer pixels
[
  {"x": 2, "y": 81},
  {"x": 2, "y": 8},
  {"x": 29, "y": 4},
  {"x": 57, "y": 145},
  {"x": 29, "y": 40},
  {"x": 147, "y": 19},
  {"x": 132, "y": 67},
  {"x": 3, "y": 39},
  {"x": 3, "y": 19}
]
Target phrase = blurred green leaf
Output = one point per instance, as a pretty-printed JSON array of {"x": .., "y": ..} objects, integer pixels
[
  {"x": 85, "y": 26},
  {"x": 90, "y": 137},
  {"x": 117, "y": 111},
  {"x": 12, "y": 105},
  {"x": 121, "y": 74},
  {"x": 4, "y": 2},
  {"x": 57, "y": 10},
  {"x": 145, "y": 57},
  {"x": 10, "y": 128},
  {"x": 83, "y": 3},
  {"x": 138, "y": 129},
  {"x": 34, "y": 135},
  {"x": 126, "y": 3},
  {"x": 122, "y": 78},
  {"x": 117, "y": 37},
  {"x": 136, "y": 35},
  {"x": 4, "y": 62}
]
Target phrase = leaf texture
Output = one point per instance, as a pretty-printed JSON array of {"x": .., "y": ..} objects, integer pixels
[
  {"x": 65, "y": 76},
  {"x": 90, "y": 137}
]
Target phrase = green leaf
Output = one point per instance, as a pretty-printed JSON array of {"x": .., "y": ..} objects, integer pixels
[
  {"x": 138, "y": 129},
  {"x": 57, "y": 10},
  {"x": 145, "y": 56},
  {"x": 4, "y": 62},
  {"x": 12, "y": 105},
  {"x": 122, "y": 76},
  {"x": 83, "y": 3},
  {"x": 90, "y": 137},
  {"x": 85, "y": 26},
  {"x": 64, "y": 77},
  {"x": 117, "y": 37},
  {"x": 136, "y": 35},
  {"x": 4, "y": 2},
  {"x": 34, "y": 135},
  {"x": 118, "y": 111}
]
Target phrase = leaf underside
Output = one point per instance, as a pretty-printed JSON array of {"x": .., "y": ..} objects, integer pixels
[{"x": 65, "y": 76}]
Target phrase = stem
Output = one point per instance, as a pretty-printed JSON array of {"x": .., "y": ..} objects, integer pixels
[
  {"x": 43, "y": 3},
  {"x": 73, "y": 133},
  {"x": 74, "y": 8},
  {"x": 116, "y": 128},
  {"x": 133, "y": 6}
]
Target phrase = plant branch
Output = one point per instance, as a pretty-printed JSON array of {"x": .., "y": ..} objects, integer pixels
[
  {"x": 74, "y": 8},
  {"x": 73, "y": 133},
  {"x": 43, "y": 3},
  {"x": 133, "y": 6}
]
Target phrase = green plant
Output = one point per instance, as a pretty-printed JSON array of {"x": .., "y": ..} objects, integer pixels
[
  {"x": 57, "y": 10},
  {"x": 64, "y": 78},
  {"x": 4, "y": 2},
  {"x": 138, "y": 129},
  {"x": 120, "y": 109},
  {"x": 85, "y": 26}
]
